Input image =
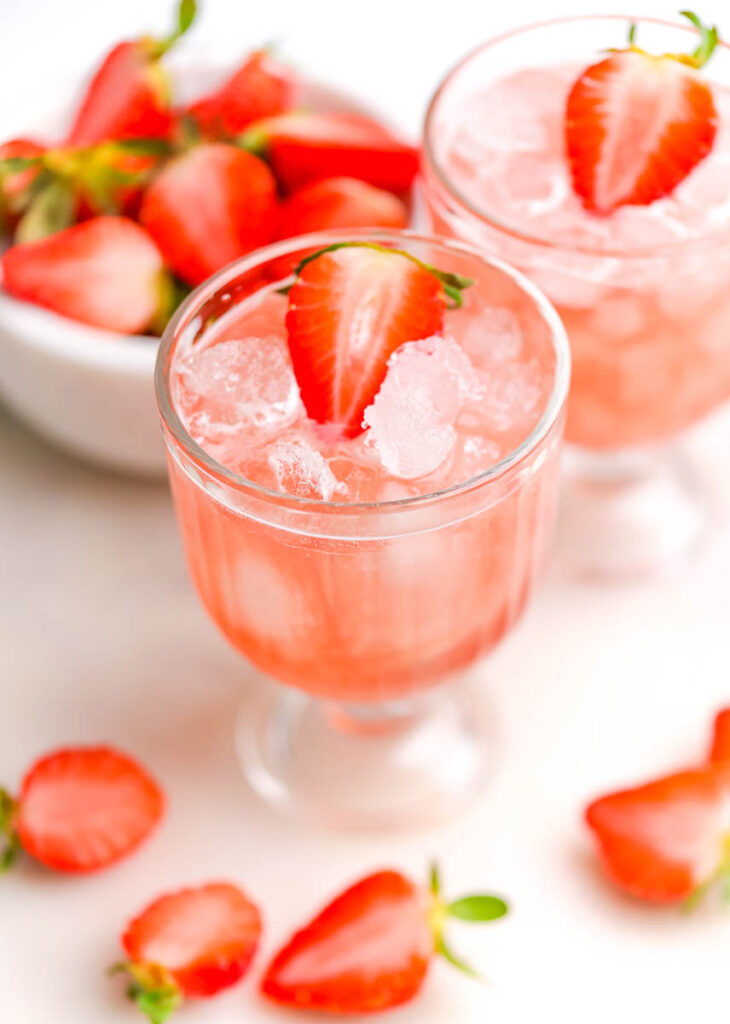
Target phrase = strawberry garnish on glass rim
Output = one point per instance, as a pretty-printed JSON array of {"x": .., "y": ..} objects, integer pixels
[
  {"x": 352, "y": 304},
  {"x": 371, "y": 947},
  {"x": 636, "y": 124},
  {"x": 193, "y": 943},
  {"x": 668, "y": 841}
]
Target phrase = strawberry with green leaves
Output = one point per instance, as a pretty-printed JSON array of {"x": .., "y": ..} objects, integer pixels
[
  {"x": 209, "y": 206},
  {"x": 304, "y": 147},
  {"x": 190, "y": 944},
  {"x": 129, "y": 95},
  {"x": 351, "y": 306},
  {"x": 260, "y": 88},
  {"x": 668, "y": 840},
  {"x": 370, "y": 949},
  {"x": 106, "y": 272},
  {"x": 636, "y": 124},
  {"x": 80, "y": 810}
]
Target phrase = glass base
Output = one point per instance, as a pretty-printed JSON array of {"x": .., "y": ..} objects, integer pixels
[
  {"x": 628, "y": 515},
  {"x": 365, "y": 766}
]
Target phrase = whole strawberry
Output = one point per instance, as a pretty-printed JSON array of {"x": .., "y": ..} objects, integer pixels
[
  {"x": 370, "y": 948},
  {"x": 188, "y": 944},
  {"x": 129, "y": 95},
  {"x": 637, "y": 124},
  {"x": 666, "y": 841},
  {"x": 80, "y": 810}
]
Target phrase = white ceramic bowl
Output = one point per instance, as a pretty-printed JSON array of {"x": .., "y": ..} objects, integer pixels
[{"x": 91, "y": 391}]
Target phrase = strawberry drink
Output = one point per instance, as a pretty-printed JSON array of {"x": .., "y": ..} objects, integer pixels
[
  {"x": 595, "y": 155},
  {"x": 363, "y": 436}
]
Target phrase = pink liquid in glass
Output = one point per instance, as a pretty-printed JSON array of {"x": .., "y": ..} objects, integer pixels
[{"x": 367, "y": 568}]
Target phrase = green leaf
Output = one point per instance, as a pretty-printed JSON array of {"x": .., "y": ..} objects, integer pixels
[
  {"x": 144, "y": 147},
  {"x": 186, "y": 13},
  {"x": 13, "y": 164},
  {"x": 157, "y": 1004},
  {"x": 9, "y": 841},
  {"x": 478, "y": 908},
  {"x": 632, "y": 33},
  {"x": 434, "y": 879},
  {"x": 254, "y": 140},
  {"x": 52, "y": 210},
  {"x": 443, "y": 950},
  {"x": 709, "y": 39}
]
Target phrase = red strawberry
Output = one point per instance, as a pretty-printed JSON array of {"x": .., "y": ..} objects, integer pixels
[
  {"x": 106, "y": 272},
  {"x": 637, "y": 124},
  {"x": 339, "y": 203},
  {"x": 81, "y": 810},
  {"x": 720, "y": 750},
  {"x": 351, "y": 306},
  {"x": 260, "y": 88},
  {"x": 128, "y": 96},
  {"x": 189, "y": 944},
  {"x": 307, "y": 147},
  {"x": 209, "y": 206},
  {"x": 370, "y": 948}
]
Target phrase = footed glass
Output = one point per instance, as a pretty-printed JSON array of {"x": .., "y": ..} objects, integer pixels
[{"x": 367, "y": 617}]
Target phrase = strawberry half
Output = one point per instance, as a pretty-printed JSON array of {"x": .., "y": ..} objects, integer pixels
[
  {"x": 339, "y": 203},
  {"x": 106, "y": 272},
  {"x": 370, "y": 948},
  {"x": 189, "y": 944},
  {"x": 128, "y": 96},
  {"x": 80, "y": 810},
  {"x": 208, "y": 207},
  {"x": 260, "y": 88},
  {"x": 351, "y": 306},
  {"x": 308, "y": 147},
  {"x": 637, "y": 124},
  {"x": 720, "y": 749}
]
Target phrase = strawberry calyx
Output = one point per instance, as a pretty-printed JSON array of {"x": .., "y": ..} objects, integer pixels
[
  {"x": 453, "y": 284},
  {"x": 9, "y": 839},
  {"x": 719, "y": 879},
  {"x": 478, "y": 908},
  {"x": 151, "y": 988},
  {"x": 709, "y": 41},
  {"x": 156, "y": 48}
]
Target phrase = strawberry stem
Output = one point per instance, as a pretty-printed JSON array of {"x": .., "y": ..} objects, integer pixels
[
  {"x": 9, "y": 841},
  {"x": 632, "y": 33},
  {"x": 475, "y": 909},
  {"x": 151, "y": 988},
  {"x": 453, "y": 284},
  {"x": 709, "y": 39},
  {"x": 186, "y": 13}
]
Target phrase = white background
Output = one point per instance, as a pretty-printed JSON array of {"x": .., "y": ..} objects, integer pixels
[{"x": 102, "y": 639}]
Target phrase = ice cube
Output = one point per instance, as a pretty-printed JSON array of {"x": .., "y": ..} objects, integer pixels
[
  {"x": 518, "y": 187},
  {"x": 474, "y": 455},
  {"x": 491, "y": 334},
  {"x": 507, "y": 397},
  {"x": 301, "y": 470},
  {"x": 412, "y": 418},
  {"x": 238, "y": 387}
]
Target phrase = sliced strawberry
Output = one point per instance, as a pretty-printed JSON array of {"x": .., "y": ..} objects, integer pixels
[
  {"x": 106, "y": 272},
  {"x": 339, "y": 203},
  {"x": 636, "y": 125},
  {"x": 81, "y": 809},
  {"x": 307, "y": 147},
  {"x": 351, "y": 306},
  {"x": 260, "y": 88},
  {"x": 191, "y": 943},
  {"x": 208, "y": 207},
  {"x": 128, "y": 97},
  {"x": 370, "y": 948},
  {"x": 720, "y": 750}
]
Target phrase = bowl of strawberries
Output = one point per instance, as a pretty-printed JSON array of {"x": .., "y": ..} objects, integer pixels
[{"x": 147, "y": 194}]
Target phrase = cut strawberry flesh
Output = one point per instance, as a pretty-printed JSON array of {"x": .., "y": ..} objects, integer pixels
[
  {"x": 205, "y": 937},
  {"x": 636, "y": 125},
  {"x": 82, "y": 810},
  {"x": 349, "y": 310}
]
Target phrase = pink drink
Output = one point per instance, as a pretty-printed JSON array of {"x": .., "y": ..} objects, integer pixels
[
  {"x": 644, "y": 292},
  {"x": 368, "y": 568}
]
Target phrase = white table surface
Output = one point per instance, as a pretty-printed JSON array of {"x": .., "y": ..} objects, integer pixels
[{"x": 102, "y": 639}]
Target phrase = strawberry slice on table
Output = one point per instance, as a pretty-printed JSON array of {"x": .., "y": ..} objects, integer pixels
[
  {"x": 189, "y": 944},
  {"x": 106, "y": 272},
  {"x": 128, "y": 97},
  {"x": 260, "y": 88},
  {"x": 210, "y": 206},
  {"x": 80, "y": 810},
  {"x": 339, "y": 203},
  {"x": 351, "y": 306},
  {"x": 305, "y": 147},
  {"x": 371, "y": 947},
  {"x": 637, "y": 124},
  {"x": 720, "y": 749}
]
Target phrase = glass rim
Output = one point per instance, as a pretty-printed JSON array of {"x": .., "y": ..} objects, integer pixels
[
  {"x": 205, "y": 291},
  {"x": 432, "y": 164}
]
